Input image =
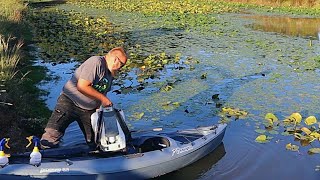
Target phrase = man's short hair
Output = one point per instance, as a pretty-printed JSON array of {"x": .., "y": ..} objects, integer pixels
[{"x": 121, "y": 49}]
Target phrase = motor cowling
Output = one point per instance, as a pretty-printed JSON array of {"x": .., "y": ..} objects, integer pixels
[{"x": 109, "y": 135}]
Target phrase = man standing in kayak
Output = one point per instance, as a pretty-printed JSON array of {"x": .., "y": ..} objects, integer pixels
[{"x": 82, "y": 95}]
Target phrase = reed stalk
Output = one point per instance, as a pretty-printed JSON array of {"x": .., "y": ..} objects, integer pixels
[
  {"x": 10, "y": 56},
  {"x": 10, "y": 47}
]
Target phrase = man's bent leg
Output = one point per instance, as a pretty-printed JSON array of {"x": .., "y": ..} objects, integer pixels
[
  {"x": 58, "y": 122},
  {"x": 86, "y": 127}
]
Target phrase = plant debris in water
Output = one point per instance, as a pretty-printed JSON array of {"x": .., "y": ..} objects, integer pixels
[{"x": 307, "y": 134}]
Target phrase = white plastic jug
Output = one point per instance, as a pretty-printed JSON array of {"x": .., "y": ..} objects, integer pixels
[
  {"x": 3, "y": 159},
  {"x": 35, "y": 157}
]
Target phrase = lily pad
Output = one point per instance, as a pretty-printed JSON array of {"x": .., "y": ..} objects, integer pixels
[
  {"x": 138, "y": 116},
  {"x": 295, "y": 117},
  {"x": 228, "y": 111},
  {"x": 315, "y": 135},
  {"x": 261, "y": 139},
  {"x": 261, "y": 131},
  {"x": 271, "y": 118},
  {"x": 292, "y": 147},
  {"x": 176, "y": 103},
  {"x": 306, "y": 130},
  {"x": 310, "y": 120},
  {"x": 314, "y": 150},
  {"x": 273, "y": 132},
  {"x": 286, "y": 133}
]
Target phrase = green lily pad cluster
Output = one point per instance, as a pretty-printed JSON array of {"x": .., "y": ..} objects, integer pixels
[
  {"x": 227, "y": 114},
  {"x": 160, "y": 7},
  {"x": 65, "y": 36},
  {"x": 306, "y": 132},
  {"x": 73, "y": 36},
  {"x": 185, "y": 14},
  {"x": 317, "y": 61},
  {"x": 148, "y": 66},
  {"x": 263, "y": 138},
  {"x": 292, "y": 147},
  {"x": 233, "y": 112}
]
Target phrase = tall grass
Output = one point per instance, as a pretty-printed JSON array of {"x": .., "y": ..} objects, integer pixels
[
  {"x": 10, "y": 47},
  {"x": 11, "y": 8},
  {"x": 9, "y": 56}
]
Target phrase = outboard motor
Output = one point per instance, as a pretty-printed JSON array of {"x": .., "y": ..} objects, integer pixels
[{"x": 108, "y": 124}]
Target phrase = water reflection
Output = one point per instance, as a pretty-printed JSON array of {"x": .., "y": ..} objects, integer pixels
[
  {"x": 199, "y": 168},
  {"x": 60, "y": 74},
  {"x": 301, "y": 27}
]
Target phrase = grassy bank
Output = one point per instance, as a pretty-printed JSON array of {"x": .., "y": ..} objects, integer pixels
[
  {"x": 284, "y": 3},
  {"x": 20, "y": 108},
  {"x": 200, "y": 7},
  {"x": 291, "y": 7},
  {"x": 10, "y": 53}
]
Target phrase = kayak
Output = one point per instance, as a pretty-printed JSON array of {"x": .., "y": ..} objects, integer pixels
[{"x": 149, "y": 154}]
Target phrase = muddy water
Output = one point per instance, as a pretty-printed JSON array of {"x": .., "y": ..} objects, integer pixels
[{"x": 256, "y": 71}]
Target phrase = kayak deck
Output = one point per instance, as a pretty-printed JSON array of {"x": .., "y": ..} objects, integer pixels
[{"x": 147, "y": 156}]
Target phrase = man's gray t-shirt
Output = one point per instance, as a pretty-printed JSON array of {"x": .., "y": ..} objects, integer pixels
[{"x": 93, "y": 70}]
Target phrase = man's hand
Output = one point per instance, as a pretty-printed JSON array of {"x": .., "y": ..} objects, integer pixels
[{"x": 105, "y": 102}]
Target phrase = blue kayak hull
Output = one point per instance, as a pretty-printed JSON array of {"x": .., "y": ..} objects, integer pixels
[{"x": 179, "y": 149}]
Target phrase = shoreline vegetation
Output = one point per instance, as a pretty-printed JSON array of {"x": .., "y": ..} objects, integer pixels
[
  {"x": 20, "y": 107},
  {"x": 284, "y": 3},
  {"x": 21, "y": 112}
]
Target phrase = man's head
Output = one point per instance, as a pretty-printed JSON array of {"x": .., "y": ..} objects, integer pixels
[{"x": 116, "y": 59}]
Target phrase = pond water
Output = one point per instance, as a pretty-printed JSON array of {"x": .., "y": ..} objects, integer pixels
[
  {"x": 292, "y": 26},
  {"x": 255, "y": 71}
]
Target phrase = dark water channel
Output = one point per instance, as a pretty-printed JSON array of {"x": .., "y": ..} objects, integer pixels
[{"x": 254, "y": 70}]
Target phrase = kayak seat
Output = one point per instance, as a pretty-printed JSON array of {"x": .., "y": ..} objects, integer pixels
[{"x": 153, "y": 143}]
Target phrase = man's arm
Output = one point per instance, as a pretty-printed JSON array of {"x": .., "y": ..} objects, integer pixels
[{"x": 85, "y": 88}]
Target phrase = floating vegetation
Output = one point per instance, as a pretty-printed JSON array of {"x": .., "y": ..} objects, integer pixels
[
  {"x": 271, "y": 119},
  {"x": 179, "y": 14},
  {"x": 169, "y": 103},
  {"x": 293, "y": 126},
  {"x": 233, "y": 112},
  {"x": 160, "y": 103},
  {"x": 292, "y": 147},
  {"x": 204, "y": 76},
  {"x": 307, "y": 134},
  {"x": 148, "y": 66},
  {"x": 310, "y": 120},
  {"x": 160, "y": 7},
  {"x": 260, "y": 131},
  {"x": 263, "y": 138},
  {"x": 65, "y": 36},
  {"x": 137, "y": 116}
]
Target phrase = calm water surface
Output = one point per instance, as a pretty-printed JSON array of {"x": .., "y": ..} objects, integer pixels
[
  {"x": 253, "y": 70},
  {"x": 292, "y": 26}
]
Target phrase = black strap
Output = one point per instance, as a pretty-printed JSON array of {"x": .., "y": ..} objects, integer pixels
[
  {"x": 98, "y": 136},
  {"x": 123, "y": 125}
]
